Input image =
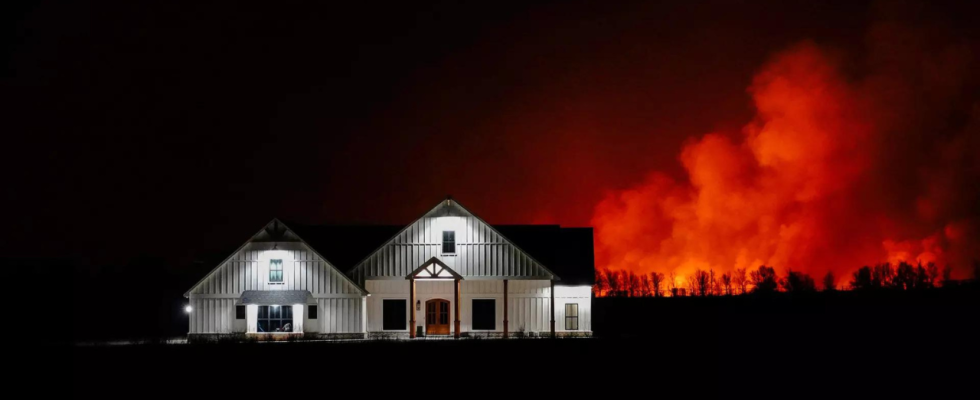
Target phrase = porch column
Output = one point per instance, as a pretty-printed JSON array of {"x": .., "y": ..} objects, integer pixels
[
  {"x": 505, "y": 309},
  {"x": 456, "y": 296},
  {"x": 411, "y": 307},
  {"x": 552, "y": 308}
]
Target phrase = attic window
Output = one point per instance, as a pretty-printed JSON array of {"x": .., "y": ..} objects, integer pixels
[
  {"x": 275, "y": 271},
  {"x": 448, "y": 242}
]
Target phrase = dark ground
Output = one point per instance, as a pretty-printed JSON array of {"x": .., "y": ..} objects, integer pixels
[{"x": 846, "y": 345}]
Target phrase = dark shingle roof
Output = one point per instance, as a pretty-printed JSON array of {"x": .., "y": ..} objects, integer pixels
[
  {"x": 568, "y": 252},
  {"x": 344, "y": 245}
]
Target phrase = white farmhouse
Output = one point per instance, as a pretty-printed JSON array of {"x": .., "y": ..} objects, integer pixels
[{"x": 447, "y": 273}]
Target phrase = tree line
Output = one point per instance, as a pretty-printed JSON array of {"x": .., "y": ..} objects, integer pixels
[{"x": 904, "y": 276}]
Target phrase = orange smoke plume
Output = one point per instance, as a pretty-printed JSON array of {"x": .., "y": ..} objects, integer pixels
[{"x": 832, "y": 174}]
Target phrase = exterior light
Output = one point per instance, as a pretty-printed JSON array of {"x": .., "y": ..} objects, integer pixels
[
  {"x": 188, "y": 309},
  {"x": 418, "y": 305}
]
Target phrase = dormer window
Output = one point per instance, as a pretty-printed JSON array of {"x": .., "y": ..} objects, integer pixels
[
  {"x": 275, "y": 271},
  {"x": 448, "y": 242}
]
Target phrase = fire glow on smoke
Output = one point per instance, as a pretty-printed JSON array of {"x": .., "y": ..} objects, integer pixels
[{"x": 834, "y": 172}]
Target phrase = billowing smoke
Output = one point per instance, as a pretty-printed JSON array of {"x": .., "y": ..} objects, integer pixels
[{"x": 849, "y": 161}]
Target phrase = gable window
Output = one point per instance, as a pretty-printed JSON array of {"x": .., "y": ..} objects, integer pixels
[
  {"x": 275, "y": 319},
  {"x": 448, "y": 242},
  {"x": 571, "y": 316},
  {"x": 484, "y": 314},
  {"x": 275, "y": 271},
  {"x": 393, "y": 314},
  {"x": 239, "y": 312},
  {"x": 312, "y": 312}
]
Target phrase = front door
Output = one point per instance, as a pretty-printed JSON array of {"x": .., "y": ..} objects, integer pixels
[{"x": 437, "y": 317}]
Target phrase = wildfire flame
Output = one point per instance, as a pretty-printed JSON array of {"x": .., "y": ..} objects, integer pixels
[{"x": 835, "y": 172}]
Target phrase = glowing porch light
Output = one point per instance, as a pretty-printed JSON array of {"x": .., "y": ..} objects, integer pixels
[{"x": 188, "y": 309}]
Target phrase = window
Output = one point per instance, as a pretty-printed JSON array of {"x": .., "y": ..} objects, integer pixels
[
  {"x": 393, "y": 314},
  {"x": 275, "y": 318},
  {"x": 275, "y": 271},
  {"x": 484, "y": 314},
  {"x": 312, "y": 312},
  {"x": 571, "y": 317},
  {"x": 449, "y": 242},
  {"x": 239, "y": 312}
]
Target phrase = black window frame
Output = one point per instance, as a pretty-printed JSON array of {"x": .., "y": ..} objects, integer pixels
[
  {"x": 273, "y": 277},
  {"x": 569, "y": 318},
  {"x": 240, "y": 312},
  {"x": 483, "y": 322},
  {"x": 270, "y": 319},
  {"x": 312, "y": 312},
  {"x": 395, "y": 316},
  {"x": 448, "y": 242}
]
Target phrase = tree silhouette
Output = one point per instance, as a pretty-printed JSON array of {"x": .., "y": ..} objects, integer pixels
[
  {"x": 798, "y": 282},
  {"x": 700, "y": 283},
  {"x": 862, "y": 279},
  {"x": 947, "y": 275},
  {"x": 922, "y": 280},
  {"x": 692, "y": 285},
  {"x": 601, "y": 282},
  {"x": 904, "y": 277},
  {"x": 741, "y": 280},
  {"x": 882, "y": 275},
  {"x": 633, "y": 284},
  {"x": 657, "y": 282},
  {"x": 933, "y": 271},
  {"x": 645, "y": 286},
  {"x": 726, "y": 282},
  {"x": 829, "y": 282},
  {"x": 764, "y": 279},
  {"x": 615, "y": 283},
  {"x": 672, "y": 282}
]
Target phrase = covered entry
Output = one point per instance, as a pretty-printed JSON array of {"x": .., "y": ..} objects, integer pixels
[{"x": 436, "y": 310}]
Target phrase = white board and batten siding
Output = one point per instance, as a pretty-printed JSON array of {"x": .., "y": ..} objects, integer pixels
[
  {"x": 213, "y": 300},
  {"x": 528, "y": 303},
  {"x": 481, "y": 252}
]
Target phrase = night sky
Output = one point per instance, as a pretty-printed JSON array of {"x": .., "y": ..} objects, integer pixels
[{"x": 179, "y": 128}]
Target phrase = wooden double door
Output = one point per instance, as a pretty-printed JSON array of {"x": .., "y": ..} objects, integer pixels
[{"x": 437, "y": 317}]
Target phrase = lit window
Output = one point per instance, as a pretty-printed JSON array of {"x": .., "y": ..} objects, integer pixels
[
  {"x": 239, "y": 312},
  {"x": 571, "y": 317},
  {"x": 275, "y": 270},
  {"x": 275, "y": 318},
  {"x": 448, "y": 242}
]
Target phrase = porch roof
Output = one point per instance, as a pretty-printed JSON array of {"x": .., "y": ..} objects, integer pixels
[{"x": 276, "y": 297}]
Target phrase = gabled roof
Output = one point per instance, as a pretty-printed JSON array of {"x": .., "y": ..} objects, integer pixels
[
  {"x": 276, "y": 230},
  {"x": 444, "y": 205}
]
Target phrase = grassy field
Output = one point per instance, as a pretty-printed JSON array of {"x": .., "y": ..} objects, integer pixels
[{"x": 715, "y": 347}]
